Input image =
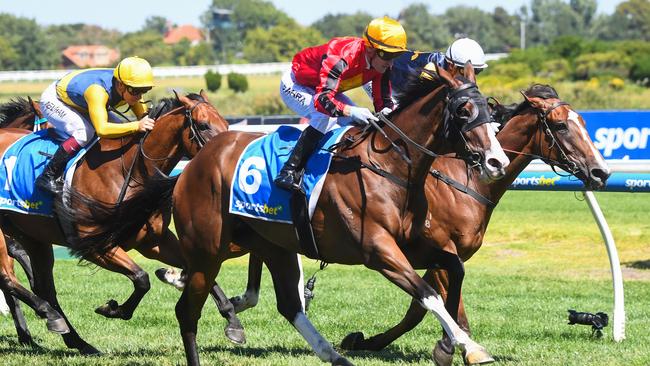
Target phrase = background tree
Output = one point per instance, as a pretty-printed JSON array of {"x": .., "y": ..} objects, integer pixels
[
  {"x": 156, "y": 24},
  {"x": 473, "y": 23},
  {"x": 246, "y": 15},
  {"x": 343, "y": 25},
  {"x": 29, "y": 43},
  {"x": 279, "y": 43},
  {"x": 508, "y": 27},
  {"x": 8, "y": 56},
  {"x": 148, "y": 45},
  {"x": 63, "y": 35},
  {"x": 425, "y": 32},
  {"x": 550, "y": 19}
]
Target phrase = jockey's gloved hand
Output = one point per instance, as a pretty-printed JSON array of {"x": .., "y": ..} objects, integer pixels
[
  {"x": 386, "y": 111},
  {"x": 362, "y": 115}
]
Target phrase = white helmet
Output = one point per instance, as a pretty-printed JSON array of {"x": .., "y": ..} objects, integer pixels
[{"x": 466, "y": 49}]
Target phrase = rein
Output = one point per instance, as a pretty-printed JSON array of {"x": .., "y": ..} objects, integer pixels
[
  {"x": 565, "y": 163},
  {"x": 195, "y": 135}
]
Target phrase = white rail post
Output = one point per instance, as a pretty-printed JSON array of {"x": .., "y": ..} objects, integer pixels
[{"x": 617, "y": 276}]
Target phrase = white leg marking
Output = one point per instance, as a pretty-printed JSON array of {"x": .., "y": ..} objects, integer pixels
[
  {"x": 320, "y": 345},
  {"x": 458, "y": 336}
]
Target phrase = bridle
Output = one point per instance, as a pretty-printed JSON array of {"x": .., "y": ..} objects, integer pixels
[
  {"x": 455, "y": 98},
  {"x": 564, "y": 162},
  {"x": 195, "y": 135}
]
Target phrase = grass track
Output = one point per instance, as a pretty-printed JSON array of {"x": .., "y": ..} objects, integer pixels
[{"x": 543, "y": 255}]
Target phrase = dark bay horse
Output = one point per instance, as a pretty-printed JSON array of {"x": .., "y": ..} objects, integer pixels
[
  {"x": 186, "y": 126},
  {"x": 361, "y": 217},
  {"x": 542, "y": 126}
]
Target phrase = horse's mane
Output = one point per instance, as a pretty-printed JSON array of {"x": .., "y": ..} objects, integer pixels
[
  {"x": 168, "y": 104},
  {"x": 503, "y": 113},
  {"x": 417, "y": 87},
  {"x": 13, "y": 109}
]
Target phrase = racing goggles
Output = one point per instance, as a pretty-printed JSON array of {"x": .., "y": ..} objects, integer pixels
[{"x": 137, "y": 91}]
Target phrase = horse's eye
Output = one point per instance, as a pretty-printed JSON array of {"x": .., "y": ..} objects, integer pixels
[{"x": 560, "y": 127}]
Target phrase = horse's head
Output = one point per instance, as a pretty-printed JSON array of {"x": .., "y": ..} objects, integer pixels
[
  {"x": 467, "y": 124},
  {"x": 568, "y": 145},
  {"x": 193, "y": 117}
]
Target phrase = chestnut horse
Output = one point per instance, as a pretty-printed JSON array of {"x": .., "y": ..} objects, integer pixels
[
  {"x": 542, "y": 126},
  {"x": 189, "y": 123},
  {"x": 21, "y": 113},
  {"x": 375, "y": 217}
]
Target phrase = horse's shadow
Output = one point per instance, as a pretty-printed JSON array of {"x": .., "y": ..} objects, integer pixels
[{"x": 642, "y": 264}]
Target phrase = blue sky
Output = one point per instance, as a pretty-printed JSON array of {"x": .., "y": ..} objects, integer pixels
[{"x": 129, "y": 15}]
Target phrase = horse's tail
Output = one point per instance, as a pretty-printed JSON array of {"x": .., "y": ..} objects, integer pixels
[{"x": 104, "y": 226}]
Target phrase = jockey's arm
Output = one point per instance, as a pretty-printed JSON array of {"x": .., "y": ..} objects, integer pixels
[
  {"x": 330, "y": 79},
  {"x": 97, "y": 98}
]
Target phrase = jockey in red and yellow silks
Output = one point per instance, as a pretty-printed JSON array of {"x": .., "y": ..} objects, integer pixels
[
  {"x": 77, "y": 106},
  {"x": 319, "y": 75}
]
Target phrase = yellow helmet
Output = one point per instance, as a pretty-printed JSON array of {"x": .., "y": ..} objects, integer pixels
[
  {"x": 135, "y": 72},
  {"x": 386, "y": 34}
]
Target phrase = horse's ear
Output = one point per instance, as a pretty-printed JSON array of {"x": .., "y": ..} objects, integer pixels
[
  {"x": 175, "y": 93},
  {"x": 204, "y": 95},
  {"x": 469, "y": 71},
  {"x": 445, "y": 76},
  {"x": 533, "y": 101}
]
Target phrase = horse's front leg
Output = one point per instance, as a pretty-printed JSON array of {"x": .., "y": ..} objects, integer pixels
[
  {"x": 387, "y": 258},
  {"x": 166, "y": 249},
  {"x": 118, "y": 261}
]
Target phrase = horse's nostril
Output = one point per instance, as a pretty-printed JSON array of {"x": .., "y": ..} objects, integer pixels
[
  {"x": 600, "y": 174},
  {"x": 495, "y": 163}
]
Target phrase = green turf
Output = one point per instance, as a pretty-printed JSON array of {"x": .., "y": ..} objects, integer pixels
[{"x": 543, "y": 255}]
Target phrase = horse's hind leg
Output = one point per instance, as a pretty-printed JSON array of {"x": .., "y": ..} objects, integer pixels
[
  {"x": 287, "y": 274},
  {"x": 24, "y": 336},
  {"x": 10, "y": 286},
  {"x": 251, "y": 296},
  {"x": 42, "y": 258},
  {"x": 118, "y": 261},
  {"x": 17, "y": 252}
]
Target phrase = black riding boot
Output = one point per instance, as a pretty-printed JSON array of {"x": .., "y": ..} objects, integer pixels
[
  {"x": 290, "y": 176},
  {"x": 50, "y": 180}
]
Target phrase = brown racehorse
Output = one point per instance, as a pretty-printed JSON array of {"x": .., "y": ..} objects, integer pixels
[
  {"x": 21, "y": 113},
  {"x": 375, "y": 217},
  {"x": 189, "y": 124},
  {"x": 543, "y": 127}
]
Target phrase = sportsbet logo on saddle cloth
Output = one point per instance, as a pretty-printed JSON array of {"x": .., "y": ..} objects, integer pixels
[
  {"x": 253, "y": 193},
  {"x": 23, "y": 161}
]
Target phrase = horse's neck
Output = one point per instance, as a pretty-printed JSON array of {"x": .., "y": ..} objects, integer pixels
[
  {"x": 520, "y": 136},
  {"x": 423, "y": 129}
]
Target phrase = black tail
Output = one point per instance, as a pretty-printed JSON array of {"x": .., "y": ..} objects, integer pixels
[{"x": 104, "y": 226}]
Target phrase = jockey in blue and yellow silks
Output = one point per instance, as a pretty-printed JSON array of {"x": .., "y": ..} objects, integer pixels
[{"x": 77, "y": 106}]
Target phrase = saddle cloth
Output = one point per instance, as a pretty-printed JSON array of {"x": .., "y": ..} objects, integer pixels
[
  {"x": 22, "y": 163},
  {"x": 253, "y": 193}
]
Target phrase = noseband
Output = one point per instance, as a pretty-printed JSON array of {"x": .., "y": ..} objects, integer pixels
[
  {"x": 466, "y": 93},
  {"x": 548, "y": 129}
]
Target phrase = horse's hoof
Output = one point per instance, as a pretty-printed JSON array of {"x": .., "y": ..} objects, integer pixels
[
  {"x": 58, "y": 326},
  {"x": 478, "y": 356},
  {"x": 342, "y": 361},
  {"x": 351, "y": 341},
  {"x": 441, "y": 356},
  {"x": 235, "y": 335},
  {"x": 88, "y": 350},
  {"x": 111, "y": 310},
  {"x": 171, "y": 277}
]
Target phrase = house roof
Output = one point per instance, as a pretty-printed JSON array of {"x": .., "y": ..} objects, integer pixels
[
  {"x": 91, "y": 55},
  {"x": 175, "y": 35}
]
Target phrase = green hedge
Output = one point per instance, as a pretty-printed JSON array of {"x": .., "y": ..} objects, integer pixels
[
  {"x": 237, "y": 82},
  {"x": 212, "y": 80}
]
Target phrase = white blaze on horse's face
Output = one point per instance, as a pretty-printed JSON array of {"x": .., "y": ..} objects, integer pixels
[
  {"x": 495, "y": 158},
  {"x": 598, "y": 157}
]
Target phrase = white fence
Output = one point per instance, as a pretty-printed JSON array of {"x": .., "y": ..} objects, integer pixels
[{"x": 159, "y": 72}]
